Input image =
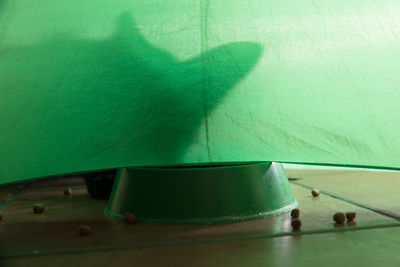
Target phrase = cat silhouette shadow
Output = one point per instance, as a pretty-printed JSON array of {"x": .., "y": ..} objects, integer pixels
[{"x": 115, "y": 100}]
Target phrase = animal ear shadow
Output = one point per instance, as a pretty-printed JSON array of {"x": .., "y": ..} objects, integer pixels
[
  {"x": 226, "y": 65},
  {"x": 231, "y": 61},
  {"x": 126, "y": 25},
  {"x": 237, "y": 56}
]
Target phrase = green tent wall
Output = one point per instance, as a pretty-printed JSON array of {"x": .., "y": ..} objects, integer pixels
[{"x": 90, "y": 85}]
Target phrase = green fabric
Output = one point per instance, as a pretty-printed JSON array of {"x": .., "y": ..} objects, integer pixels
[{"x": 96, "y": 84}]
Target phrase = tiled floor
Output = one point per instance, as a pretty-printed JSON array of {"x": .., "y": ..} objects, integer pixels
[{"x": 51, "y": 239}]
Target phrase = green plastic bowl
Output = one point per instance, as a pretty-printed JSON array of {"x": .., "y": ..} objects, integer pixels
[{"x": 201, "y": 195}]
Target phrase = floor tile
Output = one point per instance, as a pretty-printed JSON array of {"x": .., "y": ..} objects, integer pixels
[
  {"x": 377, "y": 190},
  {"x": 375, "y": 247},
  {"x": 55, "y": 231}
]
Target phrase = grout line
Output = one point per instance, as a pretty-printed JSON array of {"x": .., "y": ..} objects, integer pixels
[
  {"x": 51, "y": 188},
  {"x": 379, "y": 211},
  {"x": 13, "y": 196},
  {"x": 294, "y": 179},
  {"x": 37, "y": 253}
]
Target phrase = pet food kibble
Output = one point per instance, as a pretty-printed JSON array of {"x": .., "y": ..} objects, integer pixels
[
  {"x": 296, "y": 224},
  {"x": 339, "y": 217},
  {"x": 295, "y": 213},
  {"x": 38, "y": 208},
  {"x": 85, "y": 230},
  {"x": 351, "y": 216},
  {"x": 129, "y": 218},
  {"x": 67, "y": 191},
  {"x": 315, "y": 192}
]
